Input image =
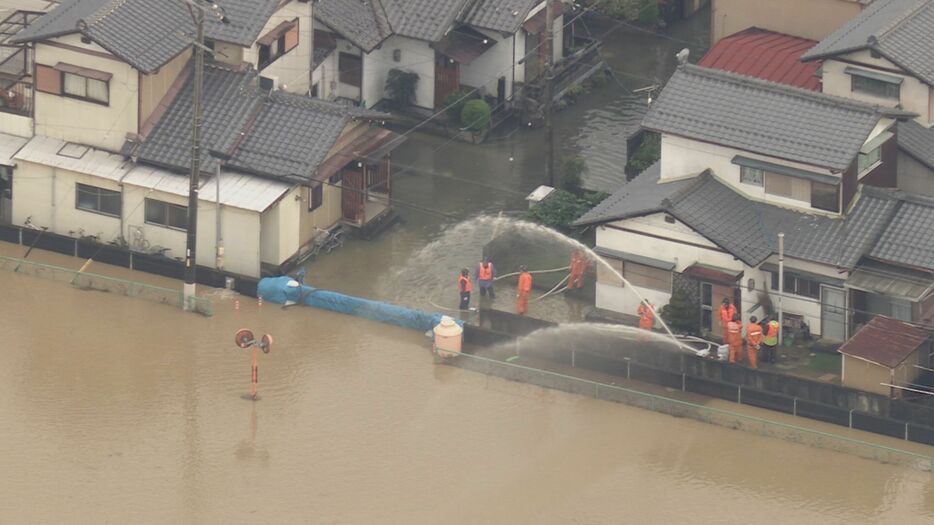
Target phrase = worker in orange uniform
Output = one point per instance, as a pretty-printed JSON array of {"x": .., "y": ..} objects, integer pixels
[
  {"x": 463, "y": 286},
  {"x": 727, "y": 312},
  {"x": 734, "y": 338},
  {"x": 578, "y": 265},
  {"x": 770, "y": 340},
  {"x": 523, "y": 290},
  {"x": 753, "y": 341},
  {"x": 646, "y": 315}
]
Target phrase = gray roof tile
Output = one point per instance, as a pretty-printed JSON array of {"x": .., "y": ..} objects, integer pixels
[
  {"x": 230, "y": 98},
  {"x": 749, "y": 229},
  {"x": 148, "y": 33},
  {"x": 917, "y": 141},
  {"x": 291, "y": 136},
  {"x": 898, "y": 29},
  {"x": 908, "y": 239},
  {"x": 363, "y": 22},
  {"x": 504, "y": 16},
  {"x": 763, "y": 117},
  {"x": 278, "y": 135},
  {"x": 422, "y": 19}
]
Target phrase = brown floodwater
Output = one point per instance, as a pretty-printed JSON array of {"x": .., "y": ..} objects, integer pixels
[{"x": 118, "y": 410}]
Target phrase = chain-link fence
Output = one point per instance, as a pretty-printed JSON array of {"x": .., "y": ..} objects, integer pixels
[
  {"x": 102, "y": 283},
  {"x": 679, "y": 408}
]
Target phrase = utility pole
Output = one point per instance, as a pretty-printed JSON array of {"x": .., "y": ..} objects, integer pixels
[
  {"x": 549, "y": 94},
  {"x": 781, "y": 284},
  {"x": 197, "y": 121}
]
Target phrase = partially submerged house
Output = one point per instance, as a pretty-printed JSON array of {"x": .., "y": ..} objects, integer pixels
[
  {"x": 743, "y": 160},
  {"x": 492, "y": 45},
  {"x": 885, "y": 56},
  {"x": 111, "y": 153}
]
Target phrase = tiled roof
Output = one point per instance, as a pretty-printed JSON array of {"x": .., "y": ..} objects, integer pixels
[
  {"x": 278, "y": 135},
  {"x": 767, "y": 55},
  {"x": 230, "y": 98},
  {"x": 900, "y": 30},
  {"x": 762, "y": 117},
  {"x": 504, "y": 16},
  {"x": 146, "y": 33},
  {"x": 291, "y": 135},
  {"x": 749, "y": 230},
  {"x": 641, "y": 196},
  {"x": 885, "y": 341},
  {"x": 909, "y": 238},
  {"x": 363, "y": 22},
  {"x": 422, "y": 19},
  {"x": 917, "y": 141}
]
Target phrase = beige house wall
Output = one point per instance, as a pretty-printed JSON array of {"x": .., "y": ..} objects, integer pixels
[
  {"x": 866, "y": 376},
  {"x": 813, "y": 19},
  {"x": 293, "y": 70},
  {"x": 74, "y": 120},
  {"x": 154, "y": 87}
]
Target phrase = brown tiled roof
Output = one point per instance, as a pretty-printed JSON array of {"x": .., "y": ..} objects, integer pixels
[{"x": 885, "y": 341}]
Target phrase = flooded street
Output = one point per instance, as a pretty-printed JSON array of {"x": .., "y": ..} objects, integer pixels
[
  {"x": 439, "y": 182},
  {"x": 118, "y": 410}
]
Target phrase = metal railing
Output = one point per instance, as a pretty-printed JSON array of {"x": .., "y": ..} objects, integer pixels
[
  {"x": 16, "y": 97},
  {"x": 103, "y": 283}
]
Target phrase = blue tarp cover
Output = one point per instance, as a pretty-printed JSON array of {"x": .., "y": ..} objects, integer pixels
[{"x": 276, "y": 290}]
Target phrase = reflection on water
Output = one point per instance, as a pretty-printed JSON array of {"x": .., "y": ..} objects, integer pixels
[{"x": 120, "y": 410}]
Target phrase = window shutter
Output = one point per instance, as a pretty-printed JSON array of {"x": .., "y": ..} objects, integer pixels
[
  {"x": 48, "y": 80},
  {"x": 291, "y": 37}
]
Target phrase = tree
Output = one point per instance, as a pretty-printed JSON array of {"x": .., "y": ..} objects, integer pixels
[
  {"x": 682, "y": 313},
  {"x": 643, "y": 11},
  {"x": 455, "y": 102},
  {"x": 476, "y": 115},
  {"x": 561, "y": 208},
  {"x": 573, "y": 170},
  {"x": 400, "y": 86},
  {"x": 647, "y": 154}
]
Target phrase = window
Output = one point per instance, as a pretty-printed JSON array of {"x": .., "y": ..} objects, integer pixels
[
  {"x": 868, "y": 160},
  {"x": 751, "y": 175},
  {"x": 825, "y": 196},
  {"x": 92, "y": 198},
  {"x": 74, "y": 82},
  {"x": 706, "y": 305},
  {"x": 350, "y": 68},
  {"x": 282, "y": 39},
  {"x": 317, "y": 197},
  {"x": 647, "y": 276},
  {"x": 874, "y": 87},
  {"x": 166, "y": 214},
  {"x": 796, "y": 284}
]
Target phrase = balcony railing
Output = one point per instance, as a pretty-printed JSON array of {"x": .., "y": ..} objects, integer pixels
[{"x": 16, "y": 96}]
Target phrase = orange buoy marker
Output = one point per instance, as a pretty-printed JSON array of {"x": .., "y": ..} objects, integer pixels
[
  {"x": 237, "y": 305},
  {"x": 244, "y": 339},
  {"x": 259, "y": 301}
]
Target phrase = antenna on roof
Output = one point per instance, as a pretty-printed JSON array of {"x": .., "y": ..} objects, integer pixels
[{"x": 682, "y": 56}]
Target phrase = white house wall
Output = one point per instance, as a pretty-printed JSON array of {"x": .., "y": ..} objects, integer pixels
[
  {"x": 18, "y": 125},
  {"x": 485, "y": 71},
  {"x": 81, "y": 121},
  {"x": 687, "y": 247},
  {"x": 682, "y": 157},
  {"x": 239, "y": 228},
  {"x": 294, "y": 68},
  {"x": 154, "y": 87},
  {"x": 914, "y": 96},
  {"x": 416, "y": 57},
  {"x": 692, "y": 248},
  {"x": 46, "y": 196},
  {"x": 325, "y": 77}
]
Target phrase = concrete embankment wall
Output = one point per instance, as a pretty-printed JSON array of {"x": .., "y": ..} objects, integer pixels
[{"x": 660, "y": 365}]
